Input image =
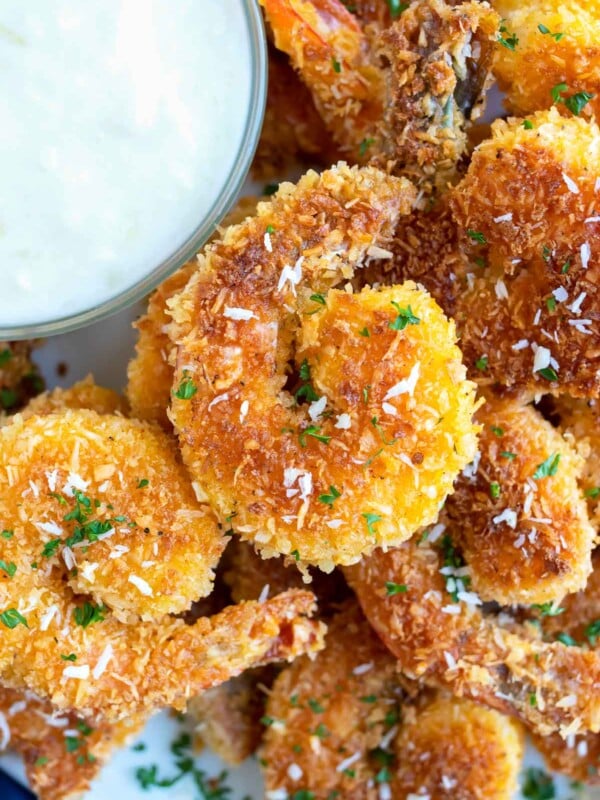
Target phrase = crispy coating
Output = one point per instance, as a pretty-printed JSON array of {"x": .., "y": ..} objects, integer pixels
[
  {"x": 527, "y": 207},
  {"x": 568, "y": 52},
  {"x": 162, "y": 544},
  {"x": 387, "y": 396},
  {"x": 526, "y": 539},
  {"x": 293, "y": 130},
  {"x": 402, "y": 91},
  {"x": 440, "y": 635},
  {"x": 333, "y": 728},
  {"x": 62, "y": 752},
  {"x": 149, "y": 374},
  {"x": 83, "y": 394},
  {"x": 228, "y": 716},
  {"x": 19, "y": 377},
  {"x": 580, "y": 419}
]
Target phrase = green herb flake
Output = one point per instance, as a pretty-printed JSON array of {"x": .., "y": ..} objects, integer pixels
[
  {"x": 482, "y": 363},
  {"x": 565, "y": 639},
  {"x": 533, "y": 699},
  {"x": 315, "y": 706},
  {"x": 507, "y": 39},
  {"x": 270, "y": 189},
  {"x": 329, "y": 499},
  {"x": 7, "y": 534},
  {"x": 41, "y": 761},
  {"x": 546, "y": 253},
  {"x": 551, "y": 304},
  {"x": 592, "y": 632},
  {"x": 143, "y": 483},
  {"x": 527, "y": 124},
  {"x": 321, "y": 731},
  {"x": 507, "y": 454},
  {"x": 267, "y": 721},
  {"x": 593, "y": 492},
  {"x": 538, "y": 785},
  {"x": 577, "y": 102},
  {"x": 337, "y": 67},
  {"x": 396, "y": 8},
  {"x": 556, "y": 92},
  {"x": 364, "y": 332},
  {"x": 5, "y": 357},
  {"x": 392, "y": 588},
  {"x": 548, "y": 373},
  {"x": 496, "y": 430},
  {"x": 547, "y": 468},
  {"x": 566, "y": 267},
  {"x": 476, "y": 236},
  {"x": 11, "y": 618},
  {"x": 364, "y": 146},
  {"x": 405, "y": 317},
  {"x": 186, "y": 389},
  {"x": 70, "y": 657},
  {"x": 549, "y": 609},
  {"x": 296, "y": 555},
  {"x": 270, "y": 229},
  {"x": 9, "y": 567},
  {"x": 371, "y": 520},
  {"x": 494, "y": 490},
  {"x": 314, "y": 432},
  {"x": 547, "y": 32},
  {"x": 88, "y": 613}
]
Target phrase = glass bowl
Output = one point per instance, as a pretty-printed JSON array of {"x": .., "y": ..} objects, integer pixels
[{"x": 206, "y": 226}]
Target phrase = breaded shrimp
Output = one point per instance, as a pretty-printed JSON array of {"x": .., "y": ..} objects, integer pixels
[
  {"x": 61, "y": 751},
  {"x": 365, "y": 447},
  {"x": 102, "y": 502},
  {"x": 580, "y": 419},
  {"x": 83, "y": 394},
  {"x": 292, "y": 130},
  {"x": 150, "y": 375},
  {"x": 19, "y": 377},
  {"x": 404, "y": 93},
  {"x": 518, "y": 514},
  {"x": 342, "y": 725},
  {"x": 528, "y": 207},
  {"x": 551, "y": 44},
  {"x": 436, "y": 629}
]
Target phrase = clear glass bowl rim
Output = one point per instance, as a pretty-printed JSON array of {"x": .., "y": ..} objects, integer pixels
[{"x": 222, "y": 204}]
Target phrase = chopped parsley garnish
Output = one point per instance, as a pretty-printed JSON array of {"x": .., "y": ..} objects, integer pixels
[
  {"x": 405, "y": 317},
  {"x": 548, "y": 609},
  {"x": 8, "y": 398},
  {"x": 564, "y": 638},
  {"x": 508, "y": 454},
  {"x": 88, "y": 613},
  {"x": 371, "y": 520},
  {"x": 593, "y": 492},
  {"x": 7, "y": 534},
  {"x": 186, "y": 389},
  {"x": 270, "y": 188},
  {"x": 11, "y": 618},
  {"x": 476, "y": 236},
  {"x": 365, "y": 393},
  {"x": 41, "y": 761},
  {"x": 72, "y": 743},
  {"x": 306, "y": 391},
  {"x": 578, "y": 101},
  {"x": 267, "y": 721},
  {"x": 538, "y": 785},
  {"x": 321, "y": 731},
  {"x": 549, "y": 373},
  {"x": 482, "y": 363},
  {"x": 547, "y": 32},
  {"x": 70, "y": 657},
  {"x": 364, "y": 332},
  {"x": 10, "y": 568},
  {"x": 592, "y": 632},
  {"x": 546, "y": 253},
  {"x": 315, "y": 706},
  {"x": 547, "y": 468},
  {"x": 392, "y": 588},
  {"x": 375, "y": 423},
  {"x": 494, "y": 490},
  {"x": 368, "y": 698},
  {"x": 507, "y": 39},
  {"x": 556, "y": 92},
  {"x": 5, "y": 357},
  {"x": 452, "y": 558},
  {"x": 143, "y": 483},
  {"x": 364, "y": 146},
  {"x": 566, "y": 267},
  {"x": 315, "y": 433},
  {"x": 527, "y": 124},
  {"x": 396, "y": 8},
  {"x": 296, "y": 554},
  {"x": 51, "y": 548},
  {"x": 138, "y": 747},
  {"x": 318, "y": 298},
  {"x": 270, "y": 229},
  {"x": 496, "y": 430},
  {"x": 533, "y": 699},
  {"x": 329, "y": 499},
  {"x": 337, "y": 67},
  {"x": 303, "y": 794},
  {"x": 551, "y": 304}
]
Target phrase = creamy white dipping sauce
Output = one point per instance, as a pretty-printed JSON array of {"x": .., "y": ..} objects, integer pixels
[{"x": 120, "y": 122}]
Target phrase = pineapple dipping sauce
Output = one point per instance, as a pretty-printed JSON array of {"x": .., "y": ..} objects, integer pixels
[{"x": 121, "y": 121}]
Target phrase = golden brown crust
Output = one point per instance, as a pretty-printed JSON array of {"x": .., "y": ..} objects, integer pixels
[
  {"x": 83, "y": 394},
  {"x": 526, "y": 539},
  {"x": 453, "y": 644},
  {"x": 343, "y": 723},
  {"x": 529, "y": 201},
  {"x": 540, "y": 61},
  {"x": 58, "y": 766},
  {"x": 240, "y": 322}
]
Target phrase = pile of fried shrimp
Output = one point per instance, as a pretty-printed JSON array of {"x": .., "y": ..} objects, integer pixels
[{"x": 345, "y": 513}]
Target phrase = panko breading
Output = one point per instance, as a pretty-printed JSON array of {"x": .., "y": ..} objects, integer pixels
[
  {"x": 380, "y": 371},
  {"x": 103, "y": 503},
  {"x": 343, "y": 724},
  {"x": 19, "y": 377},
  {"x": 292, "y": 128},
  {"x": 580, "y": 419},
  {"x": 439, "y": 634},
  {"x": 83, "y": 394},
  {"x": 150, "y": 375},
  {"x": 565, "y": 53},
  {"x": 61, "y": 751},
  {"x": 528, "y": 207},
  {"x": 404, "y": 93},
  {"x": 518, "y": 514}
]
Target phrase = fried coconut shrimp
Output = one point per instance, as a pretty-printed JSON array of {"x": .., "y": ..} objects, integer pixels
[
  {"x": 528, "y": 207},
  {"x": 360, "y": 446},
  {"x": 62, "y": 752},
  {"x": 342, "y": 725},
  {"x": 548, "y": 52},
  {"x": 577, "y": 623},
  {"x": 418, "y": 599},
  {"x": 19, "y": 377},
  {"x": 518, "y": 514},
  {"x": 83, "y": 394},
  {"x": 150, "y": 375},
  {"x": 403, "y": 94}
]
